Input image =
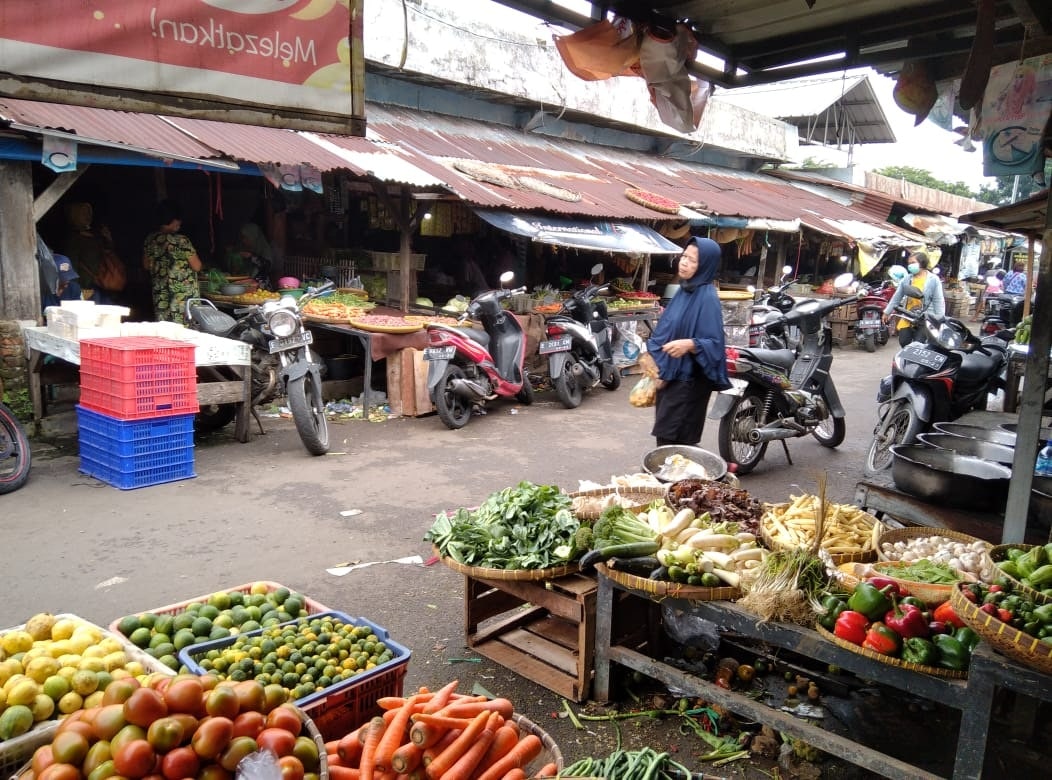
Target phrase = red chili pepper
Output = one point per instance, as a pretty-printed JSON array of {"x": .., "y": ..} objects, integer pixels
[
  {"x": 989, "y": 609},
  {"x": 882, "y": 639},
  {"x": 906, "y": 620},
  {"x": 946, "y": 613},
  {"x": 851, "y": 626},
  {"x": 1004, "y": 615},
  {"x": 969, "y": 595},
  {"x": 995, "y": 588}
]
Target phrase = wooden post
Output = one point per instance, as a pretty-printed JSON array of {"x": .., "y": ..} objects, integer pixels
[{"x": 19, "y": 274}]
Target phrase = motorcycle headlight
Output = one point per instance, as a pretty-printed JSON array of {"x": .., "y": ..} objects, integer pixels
[
  {"x": 949, "y": 338},
  {"x": 283, "y": 324}
]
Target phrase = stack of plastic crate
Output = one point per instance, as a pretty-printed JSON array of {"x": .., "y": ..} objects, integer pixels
[{"x": 138, "y": 398}]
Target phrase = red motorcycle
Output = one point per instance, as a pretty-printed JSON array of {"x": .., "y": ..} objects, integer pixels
[
  {"x": 871, "y": 329},
  {"x": 468, "y": 367}
]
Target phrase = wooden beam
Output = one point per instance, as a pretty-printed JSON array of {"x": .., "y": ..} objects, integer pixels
[
  {"x": 19, "y": 275},
  {"x": 59, "y": 187}
]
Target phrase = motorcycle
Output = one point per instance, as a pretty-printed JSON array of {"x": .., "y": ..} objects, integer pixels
[
  {"x": 768, "y": 306},
  {"x": 781, "y": 394},
  {"x": 1001, "y": 311},
  {"x": 282, "y": 361},
  {"x": 871, "y": 330},
  {"x": 579, "y": 345},
  {"x": 15, "y": 456},
  {"x": 468, "y": 367},
  {"x": 944, "y": 373}
]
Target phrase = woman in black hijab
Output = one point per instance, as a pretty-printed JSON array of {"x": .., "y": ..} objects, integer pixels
[{"x": 687, "y": 347}]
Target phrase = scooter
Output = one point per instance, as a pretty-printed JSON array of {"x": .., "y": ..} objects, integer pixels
[
  {"x": 1001, "y": 311},
  {"x": 579, "y": 345},
  {"x": 15, "y": 456},
  {"x": 468, "y": 367},
  {"x": 944, "y": 373},
  {"x": 774, "y": 301},
  {"x": 282, "y": 361},
  {"x": 781, "y": 394},
  {"x": 871, "y": 330}
]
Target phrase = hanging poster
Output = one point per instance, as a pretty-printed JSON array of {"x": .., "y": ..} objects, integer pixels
[{"x": 1016, "y": 105}]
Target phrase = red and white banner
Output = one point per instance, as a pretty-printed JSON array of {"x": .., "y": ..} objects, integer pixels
[{"x": 280, "y": 53}]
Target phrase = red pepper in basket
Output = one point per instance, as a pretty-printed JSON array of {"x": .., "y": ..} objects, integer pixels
[
  {"x": 881, "y": 639},
  {"x": 907, "y": 621},
  {"x": 946, "y": 613},
  {"x": 851, "y": 626},
  {"x": 889, "y": 586}
]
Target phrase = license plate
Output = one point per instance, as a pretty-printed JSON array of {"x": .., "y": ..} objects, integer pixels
[
  {"x": 925, "y": 357},
  {"x": 561, "y": 344},
  {"x": 301, "y": 339},
  {"x": 869, "y": 325},
  {"x": 439, "y": 353}
]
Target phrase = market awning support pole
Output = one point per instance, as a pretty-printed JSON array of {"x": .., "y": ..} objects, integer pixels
[
  {"x": 1029, "y": 270},
  {"x": 1033, "y": 396}
]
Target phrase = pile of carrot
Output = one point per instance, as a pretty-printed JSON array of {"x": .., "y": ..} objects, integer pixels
[{"x": 439, "y": 735}]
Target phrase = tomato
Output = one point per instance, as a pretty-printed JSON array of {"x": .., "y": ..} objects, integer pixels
[
  {"x": 209, "y": 681},
  {"x": 165, "y": 734},
  {"x": 145, "y": 706},
  {"x": 79, "y": 726},
  {"x": 135, "y": 759},
  {"x": 212, "y": 736},
  {"x": 278, "y": 741},
  {"x": 118, "y": 691},
  {"x": 103, "y": 771},
  {"x": 250, "y": 696},
  {"x": 98, "y": 754},
  {"x": 238, "y": 748},
  {"x": 214, "y": 772},
  {"x": 69, "y": 747},
  {"x": 60, "y": 772},
  {"x": 306, "y": 750},
  {"x": 185, "y": 695},
  {"x": 249, "y": 724},
  {"x": 42, "y": 759},
  {"x": 273, "y": 696},
  {"x": 222, "y": 702},
  {"x": 109, "y": 720},
  {"x": 159, "y": 682},
  {"x": 179, "y": 763},
  {"x": 291, "y": 768},
  {"x": 189, "y": 723},
  {"x": 129, "y": 733},
  {"x": 285, "y": 717}
]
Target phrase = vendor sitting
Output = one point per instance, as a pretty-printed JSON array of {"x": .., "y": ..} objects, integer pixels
[{"x": 67, "y": 286}]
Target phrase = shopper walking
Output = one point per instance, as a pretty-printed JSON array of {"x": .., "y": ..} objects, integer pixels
[
  {"x": 173, "y": 264},
  {"x": 1015, "y": 280},
  {"x": 931, "y": 301}
]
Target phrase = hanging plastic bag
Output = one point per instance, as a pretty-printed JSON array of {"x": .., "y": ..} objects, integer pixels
[{"x": 644, "y": 394}]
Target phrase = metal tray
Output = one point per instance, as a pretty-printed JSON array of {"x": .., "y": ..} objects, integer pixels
[
  {"x": 946, "y": 477},
  {"x": 976, "y": 448}
]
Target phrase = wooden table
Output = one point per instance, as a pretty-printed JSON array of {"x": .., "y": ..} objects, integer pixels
[{"x": 226, "y": 355}]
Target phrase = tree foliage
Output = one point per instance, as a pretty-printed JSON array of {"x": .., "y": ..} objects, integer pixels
[{"x": 925, "y": 179}]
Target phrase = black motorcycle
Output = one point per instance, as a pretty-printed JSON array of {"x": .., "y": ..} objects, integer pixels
[
  {"x": 579, "y": 343},
  {"x": 782, "y": 394},
  {"x": 765, "y": 330},
  {"x": 1001, "y": 311},
  {"x": 944, "y": 373},
  {"x": 282, "y": 361},
  {"x": 15, "y": 457}
]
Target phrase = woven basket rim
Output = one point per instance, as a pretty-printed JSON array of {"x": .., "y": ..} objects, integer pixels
[
  {"x": 513, "y": 575},
  {"x": 661, "y": 589},
  {"x": 998, "y": 553},
  {"x": 861, "y": 557},
  {"x": 889, "y": 660},
  {"x": 640, "y": 498},
  {"x": 528, "y": 726},
  {"x": 1001, "y": 636},
  {"x": 646, "y": 490}
]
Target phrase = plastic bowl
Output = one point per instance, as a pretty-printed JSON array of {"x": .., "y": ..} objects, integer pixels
[
  {"x": 291, "y": 293},
  {"x": 233, "y": 289},
  {"x": 714, "y": 465}
]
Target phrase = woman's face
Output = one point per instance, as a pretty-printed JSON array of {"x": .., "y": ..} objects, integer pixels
[{"x": 688, "y": 262}]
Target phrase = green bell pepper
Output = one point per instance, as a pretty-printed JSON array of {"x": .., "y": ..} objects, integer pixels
[
  {"x": 917, "y": 650},
  {"x": 1043, "y": 614},
  {"x": 1014, "y": 553},
  {"x": 833, "y": 606},
  {"x": 1032, "y": 560},
  {"x": 869, "y": 600},
  {"x": 968, "y": 638},
  {"x": 952, "y": 654}
]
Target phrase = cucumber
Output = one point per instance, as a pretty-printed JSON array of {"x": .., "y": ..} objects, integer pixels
[
  {"x": 641, "y": 566},
  {"x": 628, "y": 550}
]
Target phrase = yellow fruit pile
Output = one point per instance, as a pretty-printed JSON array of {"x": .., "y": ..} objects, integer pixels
[{"x": 54, "y": 666}]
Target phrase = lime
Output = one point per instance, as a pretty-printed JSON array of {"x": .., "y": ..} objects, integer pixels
[
  {"x": 56, "y": 686},
  {"x": 236, "y": 598},
  {"x": 220, "y": 600},
  {"x": 202, "y": 627},
  {"x": 147, "y": 619},
  {"x": 167, "y": 648},
  {"x": 163, "y": 624},
  {"x": 184, "y": 637},
  {"x": 249, "y": 625},
  {"x": 159, "y": 639},
  {"x": 129, "y": 624},
  {"x": 182, "y": 620},
  {"x": 140, "y": 637},
  {"x": 279, "y": 595},
  {"x": 171, "y": 662},
  {"x": 209, "y": 611},
  {"x": 218, "y": 632}
]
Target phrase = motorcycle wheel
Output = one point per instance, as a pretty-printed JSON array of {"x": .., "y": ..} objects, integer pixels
[
  {"x": 900, "y": 425},
  {"x": 870, "y": 343},
  {"x": 308, "y": 412},
  {"x": 15, "y": 456},
  {"x": 746, "y": 414},
  {"x": 525, "y": 395},
  {"x": 212, "y": 417},
  {"x": 453, "y": 410},
  {"x": 568, "y": 387},
  {"x": 830, "y": 432},
  {"x": 613, "y": 380}
]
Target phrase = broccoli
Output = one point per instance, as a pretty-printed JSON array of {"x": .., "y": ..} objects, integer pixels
[{"x": 582, "y": 541}]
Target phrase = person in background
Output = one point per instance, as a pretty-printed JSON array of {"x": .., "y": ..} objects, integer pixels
[
  {"x": 173, "y": 264},
  {"x": 85, "y": 248},
  {"x": 1015, "y": 280},
  {"x": 931, "y": 300},
  {"x": 257, "y": 257},
  {"x": 68, "y": 287},
  {"x": 686, "y": 351}
]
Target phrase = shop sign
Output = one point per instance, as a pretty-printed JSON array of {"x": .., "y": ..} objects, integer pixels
[{"x": 292, "y": 54}]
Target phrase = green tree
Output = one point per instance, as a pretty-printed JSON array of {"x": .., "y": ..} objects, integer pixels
[
  {"x": 814, "y": 164},
  {"x": 1004, "y": 188},
  {"x": 925, "y": 179}
]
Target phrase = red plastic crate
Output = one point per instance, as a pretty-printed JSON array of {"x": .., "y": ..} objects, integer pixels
[
  {"x": 142, "y": 388},
  {"x": 147, "y": 372},
  {"x": 161, "y": 405},
  {"x": 342, "y": 711},
  {"x": 135, "y": 351}
]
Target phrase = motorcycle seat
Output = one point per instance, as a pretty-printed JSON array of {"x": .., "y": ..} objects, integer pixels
[
  {"x": 211, "y": 320},
  {"x": 783, "y": 358},
  {"x": 978, "y": 365},
  {"x": 475, "y": 334}
]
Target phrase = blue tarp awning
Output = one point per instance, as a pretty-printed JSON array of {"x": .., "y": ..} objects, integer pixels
[{"x": 596, "y": 235}]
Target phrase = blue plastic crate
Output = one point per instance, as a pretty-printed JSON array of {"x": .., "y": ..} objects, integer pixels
[
  {"x": 134, "y": 438},
  {"x": 136, "y": 471},
  {"x": 189, "y": 655}
]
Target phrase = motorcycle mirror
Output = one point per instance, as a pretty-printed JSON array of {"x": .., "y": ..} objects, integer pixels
[
  {"x": 843, "y": 280},
  {"x": 506, "y": 277},
  {"x": 912, "y": 292},
  {"x": 750, "y": 289},
  {"x": 596, "y": 269},
  {"x": 787, "y": 270}
]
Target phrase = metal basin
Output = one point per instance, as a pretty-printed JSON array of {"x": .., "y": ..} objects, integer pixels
[
  {"x": 994, "y": 435},
  {"x": 654, "y": 461},
  {"x": 1044, "y": 434},
  {"x": 946, "y": 477},
  {"x": 976, "y": 448}
]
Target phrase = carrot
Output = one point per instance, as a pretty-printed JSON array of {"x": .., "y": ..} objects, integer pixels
[
  {"x": 407, "y": 758},
  {"x": 527, "y": 749},
  {"x": 447, "y": 739},
  {"x": 366, "y": 764},
  {"x": 471, "y": 709},
  {"x": 462, "y": 698},
  {"x": 395, "y": 734},
  {"x": 349, "y": 749},
  {"x": 425, "y": 735},
  {"x": 464, "y": 767},
  {"x": 515, "y": 774},
  {"x": 551, "y": 769},
  {"x": 389, "y": 775},
  {"x": 441, "y": 697},
  {"x": 330, "y": 746},
  {"x": 344, "y": 773},
  {"x": 442, "y": 721},
  {"x": 445, "y": 760},
  {"x": 504, "y": 739}
]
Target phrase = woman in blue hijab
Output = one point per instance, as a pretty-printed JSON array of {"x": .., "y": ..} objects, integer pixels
[{"x": 687, "y": 347}]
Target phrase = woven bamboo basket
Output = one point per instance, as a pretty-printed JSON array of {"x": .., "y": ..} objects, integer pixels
[
  {"x": 890, "y": 660},
  {"x": 550, "y": 752},
  {"x": 920, "y": 532},
  {"x": 513, "y": 575},
  {"x": 1026, "y": 649},
  {"x": 864, "y": 556},
  {"x": 1000, "y": 553},
  {"x": 631, "y": 498},
  {"x": 930, "y": 593},
  {"x": 661, "y": 589}
]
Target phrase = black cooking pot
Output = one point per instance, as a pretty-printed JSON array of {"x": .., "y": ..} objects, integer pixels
[{"x": 949, "y": 478}]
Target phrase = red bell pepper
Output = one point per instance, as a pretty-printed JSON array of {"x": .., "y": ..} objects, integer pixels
[
  {"x": 907, "y": 621},
  {"x": 946, "y": 613},
  {"x": 851, "y": 626},
  {"x": 882, "y": 639},
  {"x": 889, "y": 586}
]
